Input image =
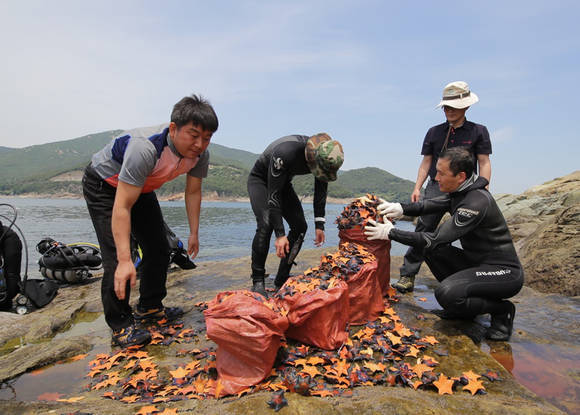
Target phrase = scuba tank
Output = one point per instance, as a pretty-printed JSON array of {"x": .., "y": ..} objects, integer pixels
[{"x": 69, "y": 264}]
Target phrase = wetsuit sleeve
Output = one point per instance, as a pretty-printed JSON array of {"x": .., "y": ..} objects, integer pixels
[
  {"x": 138, "y": 162},
  {"x": 278, "y": 177},
  {"x": 425, "y": 207},
  {"x": 319, "y": 203},
  {"x": 202, "y": 166},
  {"x": 466, "y": 217}
]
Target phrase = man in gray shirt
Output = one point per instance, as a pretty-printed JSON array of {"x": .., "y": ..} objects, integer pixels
[{"x": 118, "y": 187}]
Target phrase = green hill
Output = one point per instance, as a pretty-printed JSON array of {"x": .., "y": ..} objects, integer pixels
[
  {"x": 41, "y": 162},
  {"x": 41, "y": 169}
]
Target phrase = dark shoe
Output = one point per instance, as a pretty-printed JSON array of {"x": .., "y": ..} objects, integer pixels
[
  {"x": 155, "y": 314},
  {"x": 502, "y": 324},
  {"x": 405, "y": 284},
  {"x": 130, "y": 336},
  {"x": 259, "y": 287}
]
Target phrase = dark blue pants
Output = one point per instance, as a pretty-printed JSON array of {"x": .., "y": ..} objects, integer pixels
[
  {"x": 470, "y": 289},
  {"x": 427, "y": 223},
  {"x": 292, "y": 212},
  {"x": 147, "y": 228}
]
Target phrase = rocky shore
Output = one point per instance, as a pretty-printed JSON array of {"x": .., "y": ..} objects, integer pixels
[
  {"x": 44, "y": 337},
  {"x": 545, "y": 224}
]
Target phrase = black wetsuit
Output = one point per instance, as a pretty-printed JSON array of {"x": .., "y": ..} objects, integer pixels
[
  {"x": 486, "y": 270},
  {"x": 473, "y": 136},
  {"x": 273, "y": 198},
  {"x": 11, "y": 254}
]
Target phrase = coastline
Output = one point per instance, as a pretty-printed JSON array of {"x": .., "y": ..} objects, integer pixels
[{"x": 209, "y": 197}]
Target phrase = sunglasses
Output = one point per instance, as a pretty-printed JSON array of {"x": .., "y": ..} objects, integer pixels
[{"x": 448, "y": 108}]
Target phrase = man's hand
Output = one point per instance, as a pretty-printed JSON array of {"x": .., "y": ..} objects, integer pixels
[
  {"x": 282, "y": 246},
  {"x": 416, "y": 195},
  {"x": 125, "y": 272},
  {"x": 192, "y": 245},
  {"x": 378, "y": 230},
  {"x": 391, "y": 210},
  {"x": 319, "y": 238}
]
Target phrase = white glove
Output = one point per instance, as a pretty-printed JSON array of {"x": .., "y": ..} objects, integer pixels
[
  {"x": 391, "y": 210},
  {"x": 378, "y": 230}
]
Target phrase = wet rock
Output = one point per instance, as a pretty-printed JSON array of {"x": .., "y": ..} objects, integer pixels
[{"x": 33, "y": 356}]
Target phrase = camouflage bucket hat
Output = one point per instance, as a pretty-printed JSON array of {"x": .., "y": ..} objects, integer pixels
[{"x": 324, "y": 156}]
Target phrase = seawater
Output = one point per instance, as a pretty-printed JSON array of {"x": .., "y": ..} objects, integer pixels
[{"x": 226, "y": 228}]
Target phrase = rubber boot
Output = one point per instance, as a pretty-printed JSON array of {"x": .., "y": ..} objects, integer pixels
[
  {"x": 405, "y": 284},
  {"x": 502, "y": 323},
  {"x": 258, "y": 285}
]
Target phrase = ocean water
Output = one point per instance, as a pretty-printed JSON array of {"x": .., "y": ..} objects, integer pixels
[{"x": 226, "y": 228}]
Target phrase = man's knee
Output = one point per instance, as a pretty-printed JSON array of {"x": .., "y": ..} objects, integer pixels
[
  {"x": 451, "y": 298},
  {"x": 447, "y": 297}
]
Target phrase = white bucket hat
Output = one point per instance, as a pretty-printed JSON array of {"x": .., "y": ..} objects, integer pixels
[{"x": 457, "y": 95}]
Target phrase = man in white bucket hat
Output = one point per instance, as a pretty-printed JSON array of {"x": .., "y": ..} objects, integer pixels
[{"x": 455, "y": 131}]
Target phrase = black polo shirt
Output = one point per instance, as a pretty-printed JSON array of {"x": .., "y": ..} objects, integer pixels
[{"x": 471, "y": 135}]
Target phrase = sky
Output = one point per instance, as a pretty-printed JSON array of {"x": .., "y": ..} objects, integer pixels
[{"x": 368, "y": 72}]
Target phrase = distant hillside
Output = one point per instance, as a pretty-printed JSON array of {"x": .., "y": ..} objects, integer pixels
[
  {"x": 41, "y": 162},
  {"x": 54, "y": 169}
]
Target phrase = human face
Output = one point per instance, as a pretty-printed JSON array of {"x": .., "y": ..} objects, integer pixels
[
  {"x": 448, "y": 182},
  {"x": 190, "y": 140},
  {"x": 455, "y": 116}
]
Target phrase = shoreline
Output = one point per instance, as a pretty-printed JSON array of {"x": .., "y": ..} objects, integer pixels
[{"x": 211, "y": 197}]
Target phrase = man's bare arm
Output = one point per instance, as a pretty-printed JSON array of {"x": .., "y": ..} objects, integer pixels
[
  {"x": 125, "y": 198},
  {"x": 422, "y": 175},
  {"x": 193, "y": 208}
]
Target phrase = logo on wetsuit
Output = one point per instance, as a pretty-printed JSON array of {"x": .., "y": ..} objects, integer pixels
[
  {"x": 498, "y": 273},
  {"x": 463, "y": 216},
  {"x": 277, "y": 166}
]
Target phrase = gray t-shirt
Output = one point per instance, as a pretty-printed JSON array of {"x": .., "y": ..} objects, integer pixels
[{"x": 135, "y": 153}]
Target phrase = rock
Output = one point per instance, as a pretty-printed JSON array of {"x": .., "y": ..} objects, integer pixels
[
  {"x": 544, "y": 222},
  {"x": 551, "y": 254},
  {"x": 33, "y": 356}
]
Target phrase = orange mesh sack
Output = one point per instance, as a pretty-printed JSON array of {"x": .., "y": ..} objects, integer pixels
[
  {"x": 247, "y": 329},
  {"x": 358, "y": 268},
  {"x": 380, "y": 249},
  {"x": 351, "y": 223},
  {"x": 317, "y": 309}
]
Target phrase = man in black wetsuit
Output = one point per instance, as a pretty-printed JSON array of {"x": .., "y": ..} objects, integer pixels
[
  {"x": 456, "y": 131},
  {"x": 478, "y": 278},
  {"x": 10, "y": 263},
  {"x": 273, "y": 197}
]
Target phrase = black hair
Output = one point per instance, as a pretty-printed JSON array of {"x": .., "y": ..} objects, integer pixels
[
  {"x": 197, "y": 110},
  {"x": 460, "y": 160}
]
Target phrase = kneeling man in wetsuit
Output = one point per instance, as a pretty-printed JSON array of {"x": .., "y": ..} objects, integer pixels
[
  {"x": 273, "y": 198},
  {"x": 477, "y": 278}
]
